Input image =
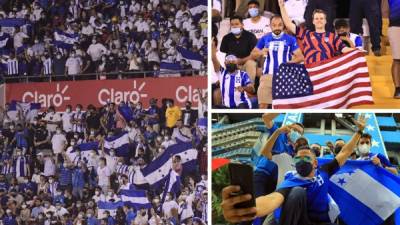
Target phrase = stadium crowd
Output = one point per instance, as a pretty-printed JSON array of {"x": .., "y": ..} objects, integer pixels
[
  {"x": 44, "y": 38},
  {"x": 263, "y": 34},
  {"x": 48, "y": 177}
]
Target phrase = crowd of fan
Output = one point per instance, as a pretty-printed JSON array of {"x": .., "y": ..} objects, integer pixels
[
  {"x": 114, "y": 37},
  {"x": 44, "y": 179}
]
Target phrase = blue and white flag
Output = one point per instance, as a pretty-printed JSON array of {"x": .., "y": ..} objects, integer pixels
[
  {"x": 202, "y": 125},
  {"x": 119, "y": 142},
  {"x": 29, "y": 110},
  {"x": 194, "y": 58},
  {"x": 135, "y": 198},
  {"x": 366, "y": 194},
  {"x": 197, "y": 7},
  {"x": 8, "y": 25},
  {"x": 126, "y": 112},
  {"x": 172, "y": 184},
  {"x": 156, "y": 173},
  {"x": 112, "y": 207},
  {"x": 4, "y": 39},
  {"x": 166, "y": 66},
  {"x": 86, "y": 148},
  {"x": 65, "y": 40}
]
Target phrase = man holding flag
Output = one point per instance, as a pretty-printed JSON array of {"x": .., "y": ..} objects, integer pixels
[{"x": 303, "y": 196}]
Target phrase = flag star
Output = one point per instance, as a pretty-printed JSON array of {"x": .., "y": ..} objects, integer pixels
[
  {"x": 374, "y": 143},
  {"x": 341, "y": 181},
  {"x": 350, "y": 172},
  {"x": 370, "y": 128}
]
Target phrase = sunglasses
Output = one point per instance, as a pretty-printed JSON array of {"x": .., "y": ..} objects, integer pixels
[{"x": 297, "y": 159}]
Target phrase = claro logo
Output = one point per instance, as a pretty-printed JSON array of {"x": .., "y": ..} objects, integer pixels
[
  {"x": 47, "y": 100},
  {"x": 111, "y": 95},
  {"x": 188, "y": 93}
]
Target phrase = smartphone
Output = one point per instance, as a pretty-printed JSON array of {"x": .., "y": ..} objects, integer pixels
[{"x": 242, "y": 175}]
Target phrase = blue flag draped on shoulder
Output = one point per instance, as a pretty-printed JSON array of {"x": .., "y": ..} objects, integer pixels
[
  {"x": 194, "y": 58},
  {"x": 157, "y": 172},
  {"x": 65, "y": 40},
  {"x": 366, "y": 194},
  {"x": 119, "y": 142},
  {"x": 197, "y": 7},
  {"x": 135, "y": 198}
]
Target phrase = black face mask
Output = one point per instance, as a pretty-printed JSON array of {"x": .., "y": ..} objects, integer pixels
[
  {"x": 338, "y": 149},
  {"x": 188, "y": 107},
  {"x": 231, "y": 67},
  {"x": 304, "y": 168}
]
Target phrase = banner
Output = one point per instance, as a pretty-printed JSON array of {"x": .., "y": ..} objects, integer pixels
[{"x": 99, "y": 92}]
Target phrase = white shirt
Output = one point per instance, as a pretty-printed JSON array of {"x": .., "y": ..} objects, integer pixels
[
  {"x": 111, "y": 162},
  {"x": 58, "y": 143},
  {"x": 66, "y": 120},
  {"x": 167, "y": 206},
  {"x": 88, "y": 30},
  {"x": 18, "y": 39},
  {"x": 73, "y": 65},
  {"x": 61, "y": 212},
  {"x": 104, "y": 176},
  {"x": 96, "y": 51},
  {"x": 142, "y": 26},
  {"x": 259, "y": 29},
  {"x": 153, "y": 220},
  {"x": 53, "y": 117},
  {"x": 49, "y": 167}
]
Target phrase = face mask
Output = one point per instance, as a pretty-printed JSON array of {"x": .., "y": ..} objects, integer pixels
[
  {"x": 167, "y": 198},
  {"x": 231, "y": 67},
  {"x": 93, "y": 41},
  {"x": 76, "y": 136},
  {"x": 50, "y": 181},
  {"x": 304, "y": 168},
  {"x": 80, "y": 216},
  {"x": 23, "y": 206},
  {"x": 58, "y": 56},
  {"x": 58, "y": 131},
  {"x": 253, "y": 12},
  {"x": 97, "y": 192},
  {"x": 236, "y": 30},
  {"x": 78, "y": 109},
  {"x": 68, "y": 110},
  {"x": 364, "y": 149},
  {"x": 73, "y": 55},
  {"x": 294, "y": 135}
]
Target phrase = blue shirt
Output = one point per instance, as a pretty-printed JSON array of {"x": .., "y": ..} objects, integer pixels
[
  {"x": 282, "y": 143},
  {"x": 110, "y": 221},
  {"x": 130, "y": 216},
  {"x": 232, "y": 98},
  {"x": 266, "y": 166},
  {"x": 280, "y": 50},
  {"x": 65, "y": 176},
  {"x": 9, "y": 220},
  {"x": 153, "y": 111},
  {"x": 92, "y": 221},
  {"x": 78, "y": 178}
]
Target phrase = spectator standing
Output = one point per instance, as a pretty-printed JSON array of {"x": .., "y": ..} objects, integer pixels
[
  {"x": 73, "y": 65},
  {"x": 172, "y": 114},
  {"x": 394, "y": 34}
]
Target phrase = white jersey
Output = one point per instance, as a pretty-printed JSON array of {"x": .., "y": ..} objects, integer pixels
[
  {"x": 260, "y": 28},
  {"x": 231, "y": 97},
  {"x": 296, "y": 9}
]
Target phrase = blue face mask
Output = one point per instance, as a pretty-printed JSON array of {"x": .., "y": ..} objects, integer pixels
[
  {"x": 253, "y": 12},
  {"x": 236, "y": 30},
  {"x": 294, "y": 135}
]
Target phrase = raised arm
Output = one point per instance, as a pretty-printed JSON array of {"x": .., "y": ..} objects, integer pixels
[
  {"x": 268, "y": 119},
  {"x": 216, "y": 64},
  {"x": 286, "y": 19},
  {"x": 347, "y": 149},
  {"x": 267, "y": 149}
]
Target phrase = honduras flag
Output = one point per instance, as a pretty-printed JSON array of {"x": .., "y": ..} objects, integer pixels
[
  {"x": 65, "y": 40},
  {"x": 135, "y": 198},
  {"x": 8, "y": 25},
  {"x": 86, "y": 148},
  {"x": 119, "y": 142},
  {"x": 4, "y": 40},
  {"x": 202, "y": 125},
  {"x": 126, "y": 112},
  {"x": 366, "y": 194},
  {"x": 112, "y": 207},
  {"x": 157, "y": 172},
  {"x": 29, "y": 110},
  {"x": 194, "y": 58},
  {"x": 172, "y": 184},
  {"x": 197, "y": 7}
]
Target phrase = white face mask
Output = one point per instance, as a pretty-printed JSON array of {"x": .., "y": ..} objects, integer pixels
[{"x": 364, "y": 149}]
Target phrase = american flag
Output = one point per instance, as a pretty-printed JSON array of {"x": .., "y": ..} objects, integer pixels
[{"x": 337, "y": 83}]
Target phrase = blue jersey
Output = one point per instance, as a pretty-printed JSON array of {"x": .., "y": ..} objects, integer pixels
[
  {"x": 280, "y": 50},
  {"x": 266, "y": 166},
  {"x": 232, "y": 98},
  {"x": 282, "y": 143}
]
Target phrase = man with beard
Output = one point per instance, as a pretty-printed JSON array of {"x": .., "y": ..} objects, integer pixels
[
  {"x": 234, "y": 83},
  {"x": 277, "y": 47}
]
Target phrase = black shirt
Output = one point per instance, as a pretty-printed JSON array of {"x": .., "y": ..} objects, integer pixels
[{"x": 240, "y": 47}]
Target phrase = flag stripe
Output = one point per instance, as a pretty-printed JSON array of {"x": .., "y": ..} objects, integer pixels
[{"x": 335, "y": 83}]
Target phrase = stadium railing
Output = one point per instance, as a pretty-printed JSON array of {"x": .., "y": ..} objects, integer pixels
[{"x": 98, "y": 76}]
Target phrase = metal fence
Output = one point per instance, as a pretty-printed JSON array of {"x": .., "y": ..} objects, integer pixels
[{"x": 98, "y": 76}]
